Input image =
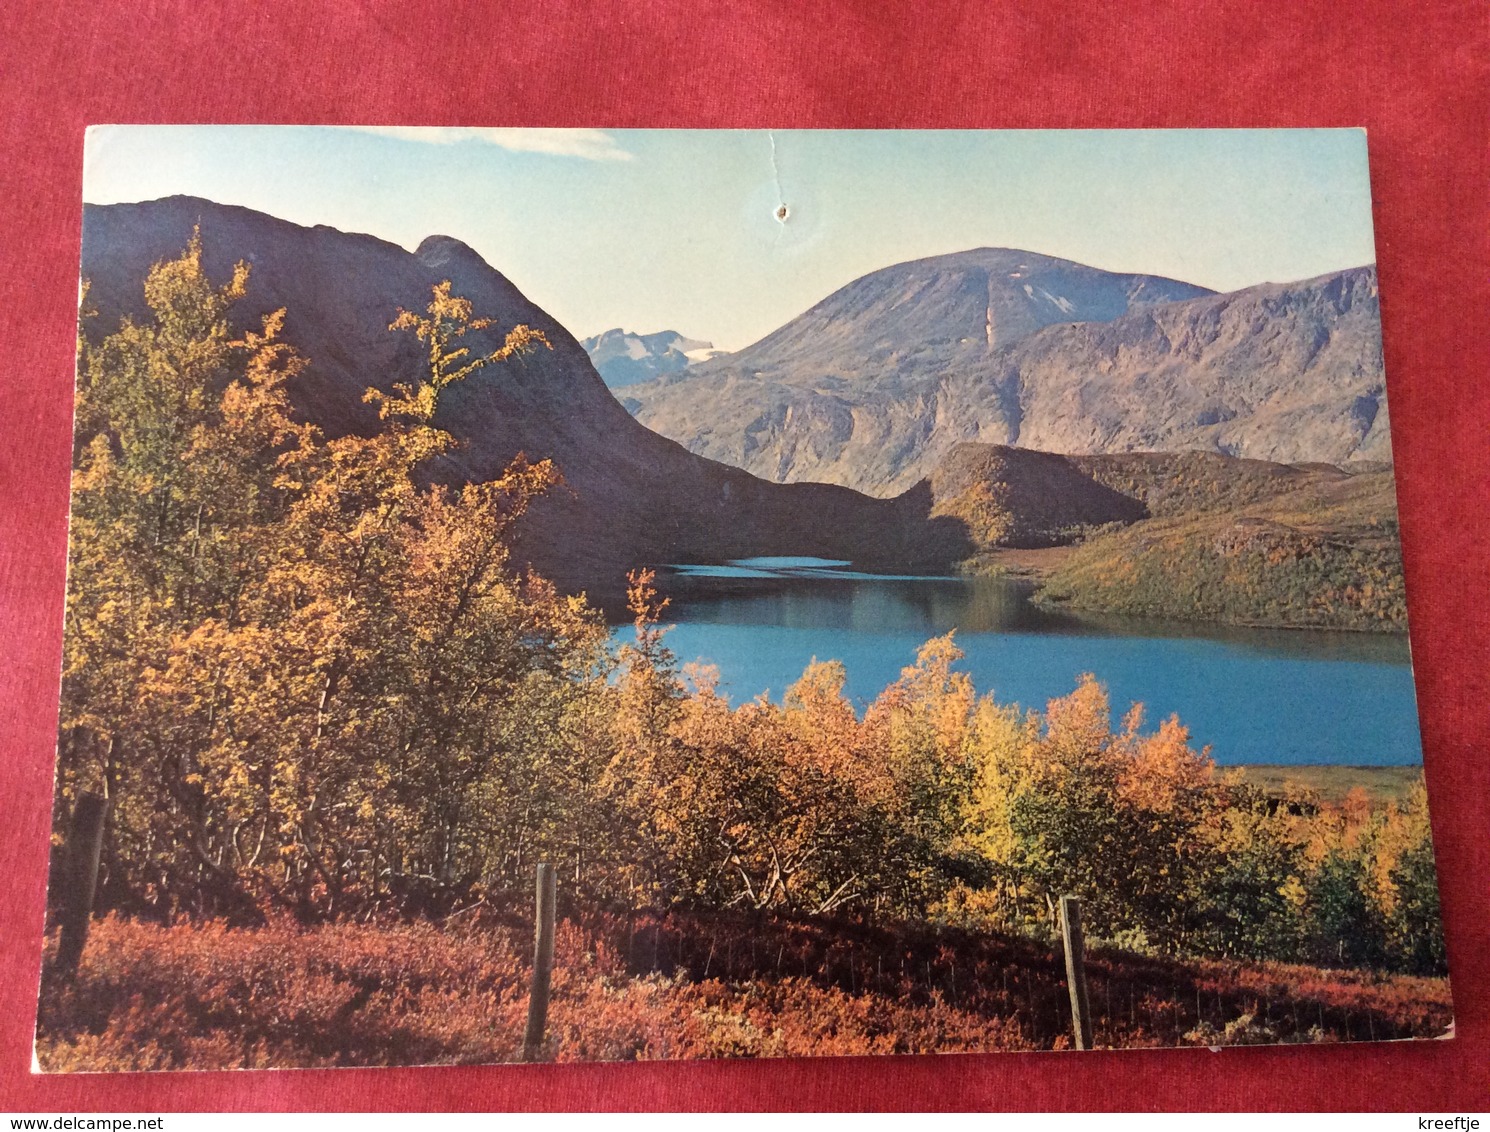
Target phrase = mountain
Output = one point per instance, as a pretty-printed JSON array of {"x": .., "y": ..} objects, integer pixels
[
  {"x": 1017, "y": 497},
  {"x": 1304, "y": 545},
  {"x": 631, "y": 497},
  {"x": 872, "y": 387},
  {"x": 1184, "y": 535},
  {"x": 916, "y": 317},
  {"x": 622, "y": 358}
]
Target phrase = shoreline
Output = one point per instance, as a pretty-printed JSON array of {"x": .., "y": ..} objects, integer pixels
[{"x": 1035, "y": 566}]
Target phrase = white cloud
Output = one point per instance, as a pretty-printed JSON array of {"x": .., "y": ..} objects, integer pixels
[{"x": 592, "y": 145}]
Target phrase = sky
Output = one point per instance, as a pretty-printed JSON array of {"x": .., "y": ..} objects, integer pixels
[{"x": 678, "y": 229}]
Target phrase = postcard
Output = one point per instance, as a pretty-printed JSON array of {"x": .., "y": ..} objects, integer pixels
[{"x": 560, "y": 595}]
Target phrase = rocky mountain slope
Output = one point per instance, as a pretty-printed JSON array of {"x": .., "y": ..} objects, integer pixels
[
  {"x": 632, "y": 496},
  {"x": 876, "y": 384},
  {"x": 622, "y": 358}
]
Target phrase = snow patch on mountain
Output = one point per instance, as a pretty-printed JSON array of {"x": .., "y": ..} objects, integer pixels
[{"x": 625, "y": 358}]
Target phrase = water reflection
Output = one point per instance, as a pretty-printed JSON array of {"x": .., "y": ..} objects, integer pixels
[
  {"x": 1256, "y": 695},
  {"x": 811, "y": 593}
]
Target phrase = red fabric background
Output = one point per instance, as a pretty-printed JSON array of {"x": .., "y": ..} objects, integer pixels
[{"x": 1416, "y": 75}]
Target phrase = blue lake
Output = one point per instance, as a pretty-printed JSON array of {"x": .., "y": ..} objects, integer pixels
[{"x": 1253, "y": 695}]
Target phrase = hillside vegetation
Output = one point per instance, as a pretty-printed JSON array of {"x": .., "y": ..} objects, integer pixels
[
  {"x": 1185, "y": 535},
  {"x": 1335, "y": 783},
  {"x": 1237, "y": 542},
  {"x": 1014, "y": 497},
  {"x": 645, "y": 986}
]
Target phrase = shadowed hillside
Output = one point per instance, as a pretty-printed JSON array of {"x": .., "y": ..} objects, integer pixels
[{"x": 632, "y": 497}]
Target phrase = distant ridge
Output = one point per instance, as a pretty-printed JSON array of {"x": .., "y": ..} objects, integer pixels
[
  {"x": 959, "y": 305},
  {"x": 622, "y": 358},
  {"x": 874, "y": 385}
]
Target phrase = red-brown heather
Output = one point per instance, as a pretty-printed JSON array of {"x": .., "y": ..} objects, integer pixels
[{"x": 683, "y": 985}]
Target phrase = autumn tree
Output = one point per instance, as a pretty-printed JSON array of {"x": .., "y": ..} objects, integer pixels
[
  {"x": 176, "y": 504},
  {"x": 295, "y": 669},
  {"x": 308, "y": 677},
  {"x": 1414, "y": 923},
  {"x": 1061, "y": 803},
  {"x": 1252, "y": 900},
  {"x": 917, "y": 769}
]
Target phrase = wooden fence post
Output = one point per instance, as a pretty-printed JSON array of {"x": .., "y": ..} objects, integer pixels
[
  {"x": 1081, "y": 1016},
  {"x": 80, "y": 878},
  {"x": 543, "y": 963}
]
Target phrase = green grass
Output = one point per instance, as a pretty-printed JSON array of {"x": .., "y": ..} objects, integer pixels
[
  {"x": 1332, "y": 783},
  {"x": 1320, "y": 551}
]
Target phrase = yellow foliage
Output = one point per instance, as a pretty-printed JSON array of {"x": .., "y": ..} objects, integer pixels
[{"x": 308, "y": 679}]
